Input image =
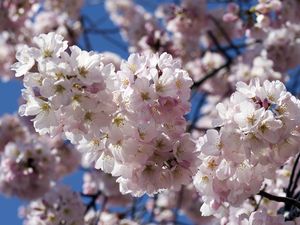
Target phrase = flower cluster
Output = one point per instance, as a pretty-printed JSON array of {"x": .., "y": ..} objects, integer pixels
[
  {"x": 28, "y": 164},
  {"x": 7, "y": 56},
  {"x": 21, "y": 20},
  {"x": 147, "y": 136},
  {"x": 107, "y": 218},
  {"x": 66, "y": 157},
  {"x": 59, "y": 206},
  {"x": 69, "y": 7},
  {"x": 33, "y": 161},
  {"x": 96, "y": 181},
  {"x": 200, "y": 67},
  {"x": 190, "y": 201},
  {"x": 128, "y": 123},
  {"x": 133, "y": 19},
  {"x": 11, "y": 130},
  {"x": 258, "y": 217},
  {"x": 64, "y": 92},
  {"x": 283, "y": 46},
  {"x": 258, "y": 131},
  {"x": 185, "y": 21},
  {"x": 262, "y": 68},
  {"x": 263, "y": 12},
  {"x": 267, "y": 211},
  {"x": 15, "y": 14}
]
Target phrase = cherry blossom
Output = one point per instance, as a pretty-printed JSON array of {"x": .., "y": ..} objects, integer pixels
[
  {"x": 201, "y": 121},
  {"x": 60, "y": 205},
  {"x": 258, "y": 132}
]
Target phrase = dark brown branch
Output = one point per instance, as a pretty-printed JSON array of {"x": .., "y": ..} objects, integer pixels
[
  {"x": 114, "y": 42},
  {"x": 102, "y": 31},
  {"x": 275, "y": 198},
  {"x": 239, "y": 46},
  {"x": 215, "y": 71},
  {"x": 86, "y": 38},
  {"x": 92, "y": 203},
  {"x": 289, "y": 193},
  {"x": 178, "y": 205},
  {"x": 133, "y": 208},
  {"x": 211, "y": 74},
  {"x": 225, "y": 35},
  {"x": 217, "y": 44},
  {"x": 195, "y": 116},
  {"x": 151, "y": 219},
  {"x": 295, "y": 183}
]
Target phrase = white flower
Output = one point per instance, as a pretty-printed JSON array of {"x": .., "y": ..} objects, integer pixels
[
  {"x": 142, "y": 94},
  {"x": 50, "y": 45},
  {"x": 212, "y": 144},
  {"x": 45, "y": 119},
  {"x": 86, "y": 65},
  {"x": 248, "y": 117},
  {"x": 25, "y": 61}
]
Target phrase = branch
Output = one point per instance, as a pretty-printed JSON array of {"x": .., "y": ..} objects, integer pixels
[
  {"x": 115, "y": 42},
  {"x": 86, "y": 38},
  {"x": 211, "y": 74},
  {"x": 295, "y": 183},
  {"x": 275, "y": 198},
  {"x": 239, "y": 46},
  {"x": 217, "y": 44},
  {"x": 102, "y": 31},
  {"x": 178, "y": 205},
  {"x": 151, "y": 219},
  {"x": 226, "y": 36},
  {"x": 289, "y": 193},
  {"x": 133, "y": 208},
  {"x": 92, "y": 203},
  {"x": 215, "y": 71},
  {"x": 196, "y": 114},
  {"x": 103, "y": 205}
]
